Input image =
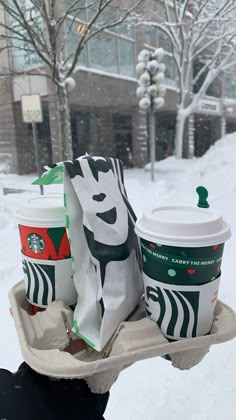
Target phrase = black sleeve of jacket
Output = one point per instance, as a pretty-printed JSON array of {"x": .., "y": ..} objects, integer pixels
[{"x": 26, "y": 395}]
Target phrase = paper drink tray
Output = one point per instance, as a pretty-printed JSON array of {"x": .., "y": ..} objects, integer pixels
[{"x": 41, "y": 336}]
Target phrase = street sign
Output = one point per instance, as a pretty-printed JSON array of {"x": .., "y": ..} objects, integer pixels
[
  {"x": 31, "y": 108},
  {"x": 209, "y": 107},
  {"x": 32, "y": 114}
]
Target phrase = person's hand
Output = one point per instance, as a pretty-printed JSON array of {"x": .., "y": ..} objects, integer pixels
[{"x": 100, "y": 382}]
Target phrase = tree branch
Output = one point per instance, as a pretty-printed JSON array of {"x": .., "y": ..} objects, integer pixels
[
  {"x": 86, "y": 37},
  {"x": 33, "y": 37}
]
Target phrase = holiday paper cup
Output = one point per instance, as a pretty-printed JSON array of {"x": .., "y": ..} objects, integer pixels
[
  {"x": 181, "y": 265},
  {"x": 45, "y": 249},
  {"x": 182, "y": 250}
]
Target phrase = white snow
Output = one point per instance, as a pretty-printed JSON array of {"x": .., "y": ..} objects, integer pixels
[{"x": 150, "y": 389}]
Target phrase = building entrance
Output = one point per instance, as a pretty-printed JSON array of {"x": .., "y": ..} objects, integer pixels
[
  {"x": 122, "y": 128},
  {"x": 165, "y": 135},
  {"x": 207, "y": 131}
]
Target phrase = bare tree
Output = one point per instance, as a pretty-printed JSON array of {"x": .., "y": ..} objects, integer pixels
[
  {"x": 43, "y": 27},
  {"x": 201, "y": 32}
]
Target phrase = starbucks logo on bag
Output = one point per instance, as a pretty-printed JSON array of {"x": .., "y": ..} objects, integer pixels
[{"x": 36, "y": 243}]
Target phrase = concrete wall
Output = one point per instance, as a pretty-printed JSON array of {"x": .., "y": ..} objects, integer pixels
[{"x": 8, "y": 153}]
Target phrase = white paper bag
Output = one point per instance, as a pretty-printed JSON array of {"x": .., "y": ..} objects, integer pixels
[{"x": 104, "y": 247}]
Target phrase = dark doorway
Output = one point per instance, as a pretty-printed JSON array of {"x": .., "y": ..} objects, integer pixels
[
  {"x": 230, "y": 127},
  {"x": 122, "y": 128},
  {"x": 207, "y": 129},
  {"x": 84, "y": 133},
  {"x": 165, "y": 135}
]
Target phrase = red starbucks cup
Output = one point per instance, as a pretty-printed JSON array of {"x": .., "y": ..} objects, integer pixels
[{"x": 45, "y": 250}]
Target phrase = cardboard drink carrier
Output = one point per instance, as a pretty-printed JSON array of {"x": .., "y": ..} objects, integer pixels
[
  {"x": 45, "y": 337},
  {"x": 62, "y": 343}
]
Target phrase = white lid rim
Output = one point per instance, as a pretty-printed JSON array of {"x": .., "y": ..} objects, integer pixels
[
  {"x": 215, "y": 213},
  {"x": 35, "y": 222},
  {"x": 35, "y": 216},
  {"x": 25, "y": 221},
  {"x": 199, "y": 242}
]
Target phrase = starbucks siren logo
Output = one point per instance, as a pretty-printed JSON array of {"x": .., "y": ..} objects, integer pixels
[
  {"x": 36, "y": 243},
  {"x": 176, "y": 312}
]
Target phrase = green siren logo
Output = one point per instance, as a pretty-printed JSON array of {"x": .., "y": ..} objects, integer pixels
[
  {"x": 40, "y": 282},
  {"x": 36, "y": 243},
  {"x": 176, "y": 312}
]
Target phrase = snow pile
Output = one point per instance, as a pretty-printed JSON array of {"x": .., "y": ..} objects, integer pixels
[
  {"x": 222, "y": 151},
  {"x": 5, "y": 159},
  {"x": 219, "y": 161},
  {"x": 216, "y": 170}
]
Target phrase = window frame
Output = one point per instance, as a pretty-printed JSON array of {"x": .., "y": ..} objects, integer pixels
[{"x": 117, "y": 35}]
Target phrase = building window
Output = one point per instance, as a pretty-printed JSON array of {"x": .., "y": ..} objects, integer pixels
[
  {"x": 230, "y": 85},
  {"x": 156, "y": 38},
  {"x": 214, "y": 89},
  {"x": 164, "y": 41},
  {"x": 170, "y": 73},
  {"x": 111, "y": 51},
  {"x": 103, "y": 52},
  {"x": 150, "y": 36},
  {"x": 76, "y": 7},
  {"x": 23, "y": 54},
  {"x": 126, "y": 29},
  {"x": 71, "y": 28},
  {"x": 126, "y": 56}
]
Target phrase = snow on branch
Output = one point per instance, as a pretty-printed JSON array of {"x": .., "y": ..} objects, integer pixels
[
  {"x": 43, "y": 27},
  {"x": 202, "y": 35},
  {"x": 204, "y": 28}
]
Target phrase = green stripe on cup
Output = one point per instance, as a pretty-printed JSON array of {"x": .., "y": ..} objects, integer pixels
[
  {"x": 179, "y": 265},
  {"x": 177, "y": 261}
]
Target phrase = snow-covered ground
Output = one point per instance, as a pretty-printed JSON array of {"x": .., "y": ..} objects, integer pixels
[{"x": 150, "y": 389}]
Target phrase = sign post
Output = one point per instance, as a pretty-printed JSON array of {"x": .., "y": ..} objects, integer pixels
[{"x": 32, "y": 114}]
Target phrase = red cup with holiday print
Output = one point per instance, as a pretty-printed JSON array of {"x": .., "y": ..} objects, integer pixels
[
  {"x": 45, "y": 249},
  {"x": 182, "y": 249}
]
